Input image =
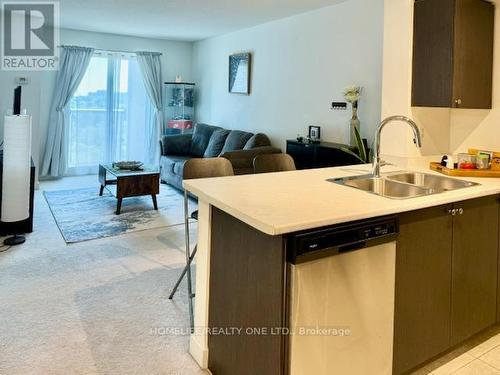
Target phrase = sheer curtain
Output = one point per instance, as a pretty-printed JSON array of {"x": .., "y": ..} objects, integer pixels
[
  {"x": 108, "y": 114},
  {"x": 150, "y": 66},
  {"x": 74, "y": 63}
]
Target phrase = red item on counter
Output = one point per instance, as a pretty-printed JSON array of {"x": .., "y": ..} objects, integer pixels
[{"x": 467, "y": 165}]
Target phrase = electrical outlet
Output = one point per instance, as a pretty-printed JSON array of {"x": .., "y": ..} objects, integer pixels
[{"x": 339, "y": 106}]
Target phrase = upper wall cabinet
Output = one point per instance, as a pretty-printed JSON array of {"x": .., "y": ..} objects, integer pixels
[{"x": 453, "y": 53}]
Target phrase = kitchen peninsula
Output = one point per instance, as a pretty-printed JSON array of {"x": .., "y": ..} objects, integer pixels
[{"x": 429, "y": 279}]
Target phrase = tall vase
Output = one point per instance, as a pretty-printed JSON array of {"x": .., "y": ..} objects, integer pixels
[{"x": 354, "y": 124}]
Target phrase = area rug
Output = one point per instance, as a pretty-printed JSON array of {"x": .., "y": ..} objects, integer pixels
[{"x": 82, "y": 215}]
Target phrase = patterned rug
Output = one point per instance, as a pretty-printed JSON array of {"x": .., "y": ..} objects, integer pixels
[{"x": 82, "y": 215}]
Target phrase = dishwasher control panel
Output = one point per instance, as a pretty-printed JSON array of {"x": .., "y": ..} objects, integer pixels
[{"x": 338, "y": 239}]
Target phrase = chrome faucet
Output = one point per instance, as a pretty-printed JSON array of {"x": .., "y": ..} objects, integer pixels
[{"x": 376, "y": 146}]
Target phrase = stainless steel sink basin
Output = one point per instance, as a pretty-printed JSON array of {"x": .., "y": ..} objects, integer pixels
[
  {"x": 403, "y": 185},
  {"x": 384, "y": 187},
  {"x": 436, "y": 183}
]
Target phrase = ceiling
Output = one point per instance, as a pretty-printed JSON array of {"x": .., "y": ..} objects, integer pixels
[{"x": 188, "y": 20}]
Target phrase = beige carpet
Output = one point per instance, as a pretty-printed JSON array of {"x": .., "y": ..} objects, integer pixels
[{"x": 92, "y": 307}]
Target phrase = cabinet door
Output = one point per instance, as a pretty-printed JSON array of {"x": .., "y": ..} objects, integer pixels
[
  {"x": 453, "y": 53},
  {"x": 475, "y": 260},
  {"x": 303, "y": 155},
  {"x": 333, "y": 157},
  {"x": 498, "y": 274},
  {"x": 423, "y": 283},
  {"x": 433, "y": 53},
  {"x": 473, "y": 54}
]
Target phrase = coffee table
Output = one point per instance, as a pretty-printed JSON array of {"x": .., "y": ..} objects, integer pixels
[{"x": 124, "y": 183}]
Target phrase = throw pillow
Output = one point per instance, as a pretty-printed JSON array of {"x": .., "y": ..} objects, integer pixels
[
  {"x": 258, "y": 140},
  {"x": 201, "y": 137},
  {"x": 216, "y": 143},
  {"x": 236, "y": 140}
]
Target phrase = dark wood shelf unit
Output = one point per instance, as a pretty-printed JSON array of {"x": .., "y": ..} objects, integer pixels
[{"x": 319, "y": 155}]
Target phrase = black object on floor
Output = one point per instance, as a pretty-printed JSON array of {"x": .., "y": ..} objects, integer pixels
[{"x": 14, "y": 240}]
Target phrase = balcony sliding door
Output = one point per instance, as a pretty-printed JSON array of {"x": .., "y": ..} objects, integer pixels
[{"x": 108, "y": 115}]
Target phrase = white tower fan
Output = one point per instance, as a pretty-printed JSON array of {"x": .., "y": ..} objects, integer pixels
[{"x": 16, "y": 168}]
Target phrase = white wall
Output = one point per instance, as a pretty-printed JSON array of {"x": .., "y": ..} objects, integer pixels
[
  {"x": 300, "y": 65},
  {"x": 37, "y": 96},
  {"x": 445, "y": 130}
]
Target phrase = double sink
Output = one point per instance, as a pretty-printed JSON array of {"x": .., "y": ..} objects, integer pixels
[{"x": 403, "y": 185}]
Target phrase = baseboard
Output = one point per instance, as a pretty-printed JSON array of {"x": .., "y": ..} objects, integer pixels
[{"x": 198, "y": 352}]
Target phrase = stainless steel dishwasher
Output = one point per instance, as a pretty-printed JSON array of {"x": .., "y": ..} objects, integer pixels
[{"x": 341, "y": 302}]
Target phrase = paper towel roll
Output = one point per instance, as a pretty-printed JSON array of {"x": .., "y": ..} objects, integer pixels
[{"x": 16, "y": 168}]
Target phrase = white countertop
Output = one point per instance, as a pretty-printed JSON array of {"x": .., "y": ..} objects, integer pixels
[{"x": 285, "y": 202}]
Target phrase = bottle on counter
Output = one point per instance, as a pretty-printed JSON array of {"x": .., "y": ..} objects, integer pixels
[{"x": 495, "y": 161}]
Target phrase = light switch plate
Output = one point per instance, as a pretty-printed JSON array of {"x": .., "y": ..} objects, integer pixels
[
  {"x": 22, "y": 80},
  {"x": 339, "y": 106}
]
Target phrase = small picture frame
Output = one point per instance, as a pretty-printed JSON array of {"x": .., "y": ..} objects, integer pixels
[
  {"x": 240, "y": 73},
  {"x": 314, "y": 133}
]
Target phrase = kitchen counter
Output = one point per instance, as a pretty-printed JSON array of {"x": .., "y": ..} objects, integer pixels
[
  {"x": 285, "y": 202},
  {"x": 269, "y": 206}
]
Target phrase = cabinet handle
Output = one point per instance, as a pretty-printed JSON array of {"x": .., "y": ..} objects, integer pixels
[
  {"x": 458, "y": 102},
  {"x": 460, "y": 211},
  {"x": 453, "y": 212}
]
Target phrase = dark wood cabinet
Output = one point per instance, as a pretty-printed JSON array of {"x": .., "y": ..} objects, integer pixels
[
  {"x": 247, "y": 290},
  {"x": 319, "y": 155},
  {"x": 453, "y": 53},
  {"x": 445, "y": 289},
  {"x": 498, "y": 274},
  {"x": 474, "y": 268},
  {"x": 423, "y": 287},
  {"x": 446, "y": 278}
]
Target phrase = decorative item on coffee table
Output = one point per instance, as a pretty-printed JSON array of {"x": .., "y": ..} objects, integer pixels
[
  {"x": 352, "y": 94},
  {"x": 128, "y": 165},
  {"x": 124, "y": 183}
]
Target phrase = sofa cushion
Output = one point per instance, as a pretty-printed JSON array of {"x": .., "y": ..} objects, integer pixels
[
  {"x": 168, "y": 163},
  {"x": 236, "y": 140},
  {"x": 201, "y": 137},
  {"x": 216, "y": 143},
  {"x": 179, "y": 167},
  {"x": 179, "y": 144},
  {"x": 257, "y": 140}
]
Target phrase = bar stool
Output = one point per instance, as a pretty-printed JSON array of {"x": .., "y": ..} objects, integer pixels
[
  {"x": 273, "y": 163},
  {"x": 197, "y": 168}
]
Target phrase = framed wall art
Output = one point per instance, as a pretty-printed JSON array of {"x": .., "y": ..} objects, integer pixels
[{"x": 239, "y": 73}]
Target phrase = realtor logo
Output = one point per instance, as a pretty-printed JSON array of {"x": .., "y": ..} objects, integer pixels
[{"x": 30, "y": 35}]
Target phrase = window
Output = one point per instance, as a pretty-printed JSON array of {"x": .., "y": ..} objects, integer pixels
[{"x": 108, "y": 115}]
